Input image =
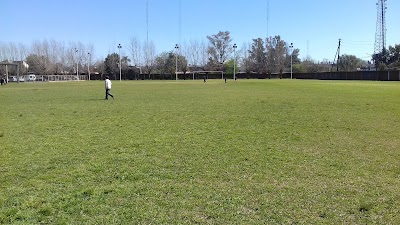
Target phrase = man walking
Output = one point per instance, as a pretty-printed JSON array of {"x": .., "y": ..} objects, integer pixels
[{"x": 108, "y": 88}]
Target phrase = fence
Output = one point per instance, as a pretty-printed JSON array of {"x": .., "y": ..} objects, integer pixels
[{"x": 358, "y": 75}]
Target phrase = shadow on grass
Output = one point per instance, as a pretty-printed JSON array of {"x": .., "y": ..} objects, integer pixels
[{"x": 95, "y": 99}]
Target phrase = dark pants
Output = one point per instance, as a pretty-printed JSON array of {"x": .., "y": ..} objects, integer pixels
[{"x": 108, "y": 94}]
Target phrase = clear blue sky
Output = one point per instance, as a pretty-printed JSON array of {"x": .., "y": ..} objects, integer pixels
[{"x": 314, "y": 26}]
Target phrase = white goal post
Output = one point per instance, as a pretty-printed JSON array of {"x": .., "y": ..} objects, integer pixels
[{"x": 207, "y": 72}]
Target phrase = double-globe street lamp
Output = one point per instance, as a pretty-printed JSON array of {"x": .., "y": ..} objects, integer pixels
[
  {"x": 176, "y": 61},
  {"x": 88, "y": 65},
  {"x": 234, "y": 61},
  {"x": 77, "y": 74},
  {"x": 119, "y": 49},
  {"x": 291, "y": 60}
]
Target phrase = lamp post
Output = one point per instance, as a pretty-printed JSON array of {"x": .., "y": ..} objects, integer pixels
[
  {"x": 176, "y": 61},
  {"x": 234, "y": 61},
  {"x": 77, "y": 73},
  {"x": 291, "y": 60},
  {"x": 88, "y": 65},
  {"x": 119, "y": 49}
]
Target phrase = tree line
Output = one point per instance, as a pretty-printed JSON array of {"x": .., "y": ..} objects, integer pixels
[{"x": 217, "y": 53}]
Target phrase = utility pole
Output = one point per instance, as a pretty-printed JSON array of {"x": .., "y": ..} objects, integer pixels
[{"x": 338, "y": 58}]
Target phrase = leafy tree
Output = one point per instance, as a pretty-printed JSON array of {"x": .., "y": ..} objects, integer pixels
[
  {"x": 229, "y": 66},
  {"x": 349, "y": 63},
  {"x": 36, "y": 63},
  {"x": 219, "y": 49},
  {"x": 165, "y": 63},
  {"x": 111, "y": 64},
  {"x": 277, "y": 51},
  {"x": 309, "y": 65},
  {"x": 258, "y": 57},
  {"x": 388, "y": 58},
  {"x": 292, "y": 56},
  {"x": 394, "y": 56},
  {"x": 182, "y": 64}
]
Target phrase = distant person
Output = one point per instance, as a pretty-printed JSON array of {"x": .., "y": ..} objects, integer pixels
[
  {"x": 108, "y": 88},
  {"x": 2, "y": 81},
  {"x": 204, "y": 78}
]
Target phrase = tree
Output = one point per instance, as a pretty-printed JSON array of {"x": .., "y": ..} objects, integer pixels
[
  {"x": 165, "y": 63},
  {"x": 257, "y": 57},
  {"x": 182, "y": 64},
  {"x": 149, "y": 55},
  {"x": 219, "y": 48},
  {"x": 309, "y": 65},
  {"x": 349, "y": 63},
  {"x": 230, "y": 65},
  {"x": 36, "y": 63},
  {"x": 394, "y": 56},
  {"x": 246, "y": 63},
  {"x": 277, "y": 51},
  {"x": 135, "y": 49},
  {"x": 111, "y": 64}
]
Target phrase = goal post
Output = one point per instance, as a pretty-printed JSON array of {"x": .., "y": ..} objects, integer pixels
[{"x": 207, "y": 73}]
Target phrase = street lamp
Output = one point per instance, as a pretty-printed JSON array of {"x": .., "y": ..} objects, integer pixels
[
  {"x": 88, "y": 65},
  {"x": 176, "y": 61},
  {"x": 119, "y": 48},
  {"x": 291, "y": 60},
  {"x": 234, "y": 61},
  {"x": 77, "y": 74}
]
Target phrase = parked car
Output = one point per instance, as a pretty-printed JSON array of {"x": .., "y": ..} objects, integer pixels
[
  {"x": 12, "y": 79},
  {"x": 31, "y": 77},
  {"x": 41, "y": 78}
]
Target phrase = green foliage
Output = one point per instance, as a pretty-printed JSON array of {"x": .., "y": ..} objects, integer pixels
[
  {"x": 258, "y": 56},
  {"x": 229, "y": 67},
  {"x": 245, "y": 152},
  {"x": 111, "y": 64},
  {"x": 349, "y": 63},
  {"x": 219, "y": 49},
  {"x": 36, "y": 63},
  {"x": 165, "y": 63}
]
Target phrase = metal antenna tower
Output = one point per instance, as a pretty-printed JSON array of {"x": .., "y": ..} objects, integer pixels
[
  {"x": 147, "y": 20},
  {"x": 380, "y": 34},
  {"x": 267, "y": 19}
]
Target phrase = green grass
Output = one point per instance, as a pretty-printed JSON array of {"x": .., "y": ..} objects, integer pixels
[{"x": 250, "y": 152}]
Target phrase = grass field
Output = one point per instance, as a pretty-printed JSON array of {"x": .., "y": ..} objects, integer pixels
[{"x": 185, "y": 152}]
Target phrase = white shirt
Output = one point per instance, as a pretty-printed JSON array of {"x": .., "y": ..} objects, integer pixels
[{"x": 108, "y": 84}]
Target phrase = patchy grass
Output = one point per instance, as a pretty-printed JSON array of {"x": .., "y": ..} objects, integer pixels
[{"x": 250, "y": 152}]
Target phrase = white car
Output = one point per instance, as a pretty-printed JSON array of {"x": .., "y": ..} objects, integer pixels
[{"x": 31, "y": 77}]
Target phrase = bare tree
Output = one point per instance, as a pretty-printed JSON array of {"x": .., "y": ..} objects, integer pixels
[
  {"x": 135, "y": 48},
  {"x": 245, "y": 57},
  {"x": 89, "y": 56},
  {"x": 149, "y": 52}
]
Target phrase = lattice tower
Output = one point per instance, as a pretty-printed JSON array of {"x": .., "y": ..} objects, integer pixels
[{"x": 380, "y": 35}]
